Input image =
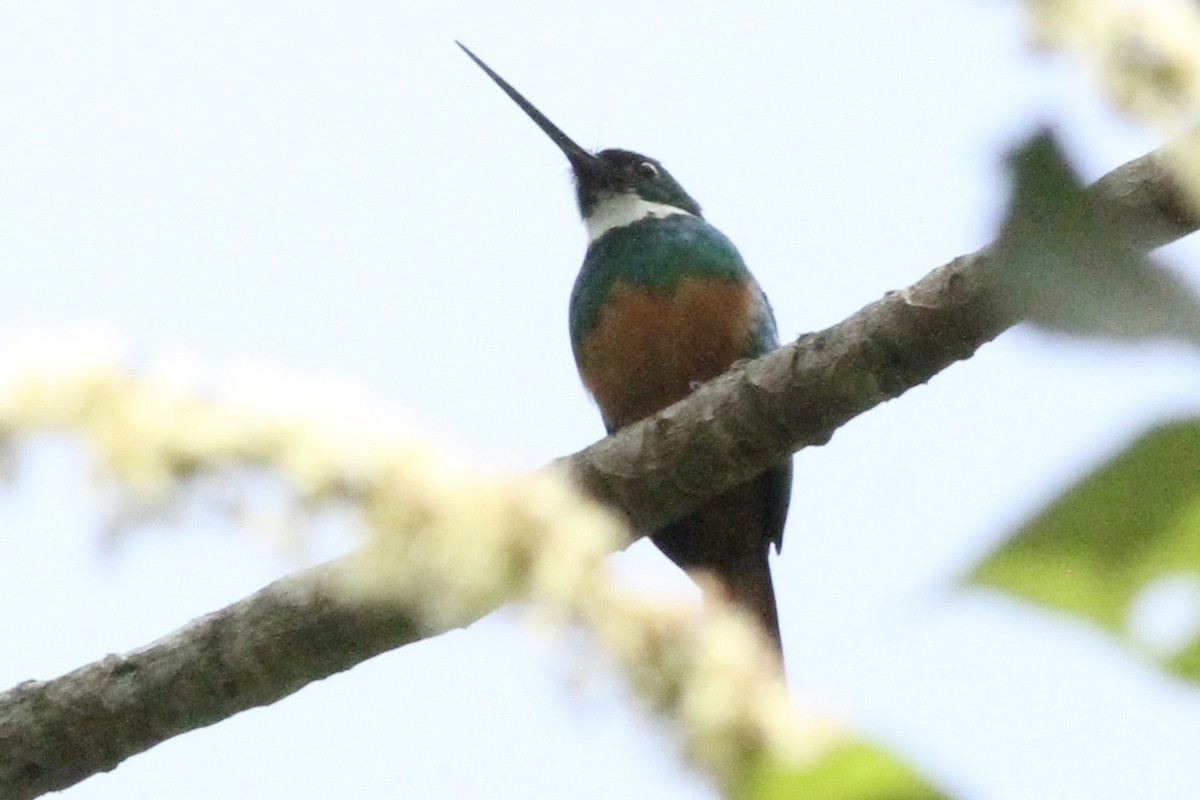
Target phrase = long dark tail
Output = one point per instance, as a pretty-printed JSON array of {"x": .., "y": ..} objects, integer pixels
[
  {"x": 747, "y": 582},
  {"x": 729, "y": 537}
]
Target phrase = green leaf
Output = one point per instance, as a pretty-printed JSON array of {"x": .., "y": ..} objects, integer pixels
[
  {"x": 1063, "y": 265},
  {"x": 852, "y": 771},
  {"x": 1130, "y": 526}
]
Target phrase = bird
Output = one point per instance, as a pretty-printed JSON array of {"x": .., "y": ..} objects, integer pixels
[{"x": 663, "y": 303}]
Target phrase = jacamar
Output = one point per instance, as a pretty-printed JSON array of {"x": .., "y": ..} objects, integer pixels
[{"x": 663, "y": 303}]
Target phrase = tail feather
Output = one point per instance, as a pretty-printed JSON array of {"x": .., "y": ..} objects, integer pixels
[
  {"x": 747, "y": 583},
  {"x": 729, "y": 537}
]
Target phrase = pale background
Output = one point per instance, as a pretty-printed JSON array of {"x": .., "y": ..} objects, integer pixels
[{"x": 336, "y": 190}]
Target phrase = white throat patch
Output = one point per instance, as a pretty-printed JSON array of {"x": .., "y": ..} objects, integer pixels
[{"x": 619, "y": 210}]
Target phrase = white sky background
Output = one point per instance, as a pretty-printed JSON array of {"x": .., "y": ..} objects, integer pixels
[{"x": 336, "y": 190}]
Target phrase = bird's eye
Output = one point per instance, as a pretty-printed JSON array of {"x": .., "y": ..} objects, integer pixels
[{"x": 647, "y": 170}]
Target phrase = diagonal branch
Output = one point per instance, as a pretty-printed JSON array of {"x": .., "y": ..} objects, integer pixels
[{"x": 300, "y": 629}]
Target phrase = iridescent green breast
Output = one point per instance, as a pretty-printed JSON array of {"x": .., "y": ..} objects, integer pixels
[
  {"x": 660, "y": 305},
  {"x": 654, "y": 254}
]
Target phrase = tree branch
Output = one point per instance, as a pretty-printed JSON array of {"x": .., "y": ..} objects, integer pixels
[
  {"x": 297, "y": 630},
  {"x": 301, "y": 629}
]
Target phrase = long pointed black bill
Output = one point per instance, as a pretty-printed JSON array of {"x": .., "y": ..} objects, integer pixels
[{"x": 580, "y": 159}]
